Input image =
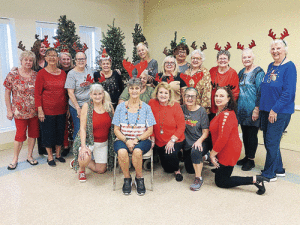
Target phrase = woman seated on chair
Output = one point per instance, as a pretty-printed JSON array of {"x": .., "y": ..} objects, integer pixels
[
  {"x": 133, "y": 122},
  {"x": 93, "y": 144}
]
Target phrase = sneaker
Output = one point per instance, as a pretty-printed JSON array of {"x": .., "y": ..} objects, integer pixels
[
  {"x": 127, "y": 186},
  {"x": 280, "y": 174},
  {"x": 242, "y": 161},
  {"x": 72, "y": 163},
  {"x": 82, "y": 176},
  {"x": 273, "y": 179},
  {"x": 140, "y": 186},
  {"x": 248, "y": 165},
  {"x": 197, "y": 184},
  {"x": 269, "y": 179}
]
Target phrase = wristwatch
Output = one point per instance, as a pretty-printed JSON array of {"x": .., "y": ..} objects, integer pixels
[{"x": 173, "y": 140}]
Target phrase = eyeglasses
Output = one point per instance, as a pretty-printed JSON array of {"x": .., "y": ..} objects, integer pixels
[
  {"x": 193, "y": 97},
  {"x": 170, "y": 63},
  {"x": 197, "y": 59},
  {"x": 51, "y": 56},
  {"x": 80, "y": 59},
  {"x": 223, "y": 59}
]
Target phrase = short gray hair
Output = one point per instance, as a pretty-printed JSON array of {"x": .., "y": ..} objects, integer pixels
[
  {"x": 134, "y": 82},
  {"x": 142, "y": 44},
  {"x": 27, "y": 54},
  {"x": 284, "y": 44},
  {"x": 223, "y": 52},
  {"x": 199, "y": 52},
  {"x": 248, "y": 50}
]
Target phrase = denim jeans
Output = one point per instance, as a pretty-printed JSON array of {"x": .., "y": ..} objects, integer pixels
[
  {"x": 272, "y": 133},
  {"x": 75, "y": 119}
]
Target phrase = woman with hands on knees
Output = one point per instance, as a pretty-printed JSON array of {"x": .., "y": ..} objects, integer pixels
[
  {"x": 169, "y": 128},
  {"x": 227, "y": 144},
  {"x": 93, "y": 146},
  {"x": 133, "y": 122}
]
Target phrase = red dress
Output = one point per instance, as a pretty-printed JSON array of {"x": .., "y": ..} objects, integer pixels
[
  {"x": 230, "y": 78},
  {"x": 225, "y": 137}
]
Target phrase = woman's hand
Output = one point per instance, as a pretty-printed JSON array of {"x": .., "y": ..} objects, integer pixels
[
  {"x": 198, "y": 145},
  {"x": 150, "y": 79},
  {"x": 152, "y": 138},
  {"x": 255, "y": 114},
  {"x": 41, "y": 115},
  {"x": 130, "y": 144},
  {"x": 272, "y": 116},
  {"x": 214, "y": 161},
  {"x": 10, "y": 115},
  {"x": 170, "y": 147},
  {"x": 78, "y": 112},
  {"x": 84, "y": 152}
]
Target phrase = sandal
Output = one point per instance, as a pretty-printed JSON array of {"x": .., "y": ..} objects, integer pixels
[
  {"x": 12, "y": 166},
  {"x": 32, "y": 162}
]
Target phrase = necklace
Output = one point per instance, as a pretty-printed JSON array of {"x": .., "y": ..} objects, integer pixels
[
  {"x": 138, "y": 116},
  {"x": 161, "y": 124},
  {"x": 272, "y": 75},
  {"x": 221, "y": 110}
]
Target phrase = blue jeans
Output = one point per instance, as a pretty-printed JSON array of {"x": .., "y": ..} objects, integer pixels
[
  {"x": 272, "y": 136},
  {"x": 75, "y": 119}
]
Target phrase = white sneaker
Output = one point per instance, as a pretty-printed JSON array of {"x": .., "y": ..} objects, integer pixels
[{"x": 280, "y": 174}]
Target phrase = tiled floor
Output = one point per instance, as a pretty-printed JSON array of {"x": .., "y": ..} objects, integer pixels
[{"x": 45, "y": 195}]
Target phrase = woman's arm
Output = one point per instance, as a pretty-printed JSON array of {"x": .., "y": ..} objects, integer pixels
[
  {"x": 84, "y": 151},
  {"x": 38, "y": 91},
  {"x": 235, "y": 83},
  {"x": 214, "y": 159},
  {"x": 258, "y": 79},
  {"x": 74, "y": 101},
  {"x": 10, "y": 114},
  {"x": 198, "y": 143}
]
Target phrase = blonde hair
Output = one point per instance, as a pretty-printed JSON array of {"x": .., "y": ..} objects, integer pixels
[
  {"x": 28, "y": 54},
  {"x": 166, "y": 86},
  {"x": 176, "y": 65},
  {"x": 67, "y": 54},
  {"x": 106, "y": 100}
]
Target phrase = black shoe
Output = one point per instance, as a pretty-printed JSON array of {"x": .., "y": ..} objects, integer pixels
[
  {"x": 61, "y": 159},
  {"x": 140, "y": 186},
  {"x": 178, "y": 177},
  {"x": 248, "y": 165},
  {"x": 65, "y": 152},
  {"x": 242, "y": 161},
  {"x": 51, "y": 162},
  {"x": 260, "y": 184},
  {"x": 127, "y": 186}
]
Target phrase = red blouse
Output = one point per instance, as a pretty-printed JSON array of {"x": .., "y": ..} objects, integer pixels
[
  {"x": 225, "y": 137},
  {"x": 101, "y": 126},
  {"x": 50, "y": 92},
  {"x": 168, "y": 118},
  {"x": 230, "y": 78}
]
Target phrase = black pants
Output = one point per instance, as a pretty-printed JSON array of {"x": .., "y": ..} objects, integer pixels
[
  {"x": 250, "y": 140},
  {"x": 223, "y": 178},
  {"x": 193, "y": 156},
  {"x": 169, "y": 162}
]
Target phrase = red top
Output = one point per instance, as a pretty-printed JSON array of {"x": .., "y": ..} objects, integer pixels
[
  {"x": 22, "y": 89},
  {"x": 171, "y": 121},
  {"x": 50, "y": 92},
  {"x": 225, "y": 137},
  {"x": 230, "y": 78},
  {"x": 101, "y": 126}
]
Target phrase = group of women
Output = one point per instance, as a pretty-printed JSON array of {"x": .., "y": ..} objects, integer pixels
[{"x": 180, "y": 111}]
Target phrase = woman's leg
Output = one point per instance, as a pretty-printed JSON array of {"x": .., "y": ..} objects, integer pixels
[
  {"x": 60, "y": 121},
  {"x": 83, "y": 163},
  {"x": 99, "y": 164},
  {"x": 97, "y": 167},
  {"x": 137, "y": 162},
  {"x": 21, "y": 127},
  {"x": 75, "y": 119},
  {"x": 33, "y": 134},
  {"x": 123, "y": 159},
  {"x": 170, "y": 162}
]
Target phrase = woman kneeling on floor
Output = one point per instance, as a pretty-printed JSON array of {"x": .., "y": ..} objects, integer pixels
[
  {"x": 227, "y": 144},
  {"x": 96, "y": 134}
]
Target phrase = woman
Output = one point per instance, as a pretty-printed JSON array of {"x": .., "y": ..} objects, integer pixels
[
  {"x": 248, "y": 107},
  {"x": 181, "y": 51},
  {"x": 39, "y": 49},
  {"x": 51, "y": 103},
  {"x": 199, "y": 77},
  {"x": 20, "y": 85},
  {"x": 65, "y": 62},
  {"x": 78, "y": 84},
  {"x": 146, "y": 91},
  {"x": 111, "y": 80},
  {"x": 169, "y": 128},
  {"x": 221, "y": 76},
  {"x": 133, "y": 122},
  {"x": 277, "y": 103},
  {"x": 171, "y": 76},
  {"x": 143, "y": 53},
  {"x": 227, "y": 144},
  {"x": 196, "y": 131},
  {"x": 93, "y": 145}
]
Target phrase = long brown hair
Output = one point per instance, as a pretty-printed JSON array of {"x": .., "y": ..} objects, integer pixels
[{"x": 231, "y": 105}]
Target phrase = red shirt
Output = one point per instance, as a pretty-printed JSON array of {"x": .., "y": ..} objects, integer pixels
[
  {"x": 101, "y": 126},
  {"x": 50, "y": 92},
  {"x": 168, "y": 118},
  {"x": 225, "y": 137},
  {"x": 230, "y": 78}
]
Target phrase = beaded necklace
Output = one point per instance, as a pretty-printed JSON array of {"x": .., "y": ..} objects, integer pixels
[
  {"x": 161, "y": 124},
  {"x": 138, "y": 116}
]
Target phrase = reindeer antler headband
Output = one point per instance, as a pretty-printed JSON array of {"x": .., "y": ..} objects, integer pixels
[
  {"x": 283, "y": 35},
  {"x": 218, "y": 48},
  {"x": 78, "y": 49},
  {"x": 194, "y": 46},
  {"x": 130, "y": 67},
  {"x": 251, "y": 45}
]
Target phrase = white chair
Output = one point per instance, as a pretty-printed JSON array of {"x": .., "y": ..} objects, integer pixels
[{"x": 148, "y": 155}]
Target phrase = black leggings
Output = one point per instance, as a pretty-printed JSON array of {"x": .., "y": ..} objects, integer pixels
[
  {"x": 169, "y": 162},
  {"x": 250, "y": 140},
  {"x": 223, "y": 178}
]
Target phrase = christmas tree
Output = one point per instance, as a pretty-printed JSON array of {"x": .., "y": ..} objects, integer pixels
[
  {"x": 66, "y": 35},
  {"x": 113, "y": 43},
  {"x": 137, "y": 38},
  {"x": 173, "y": 45}
]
